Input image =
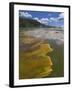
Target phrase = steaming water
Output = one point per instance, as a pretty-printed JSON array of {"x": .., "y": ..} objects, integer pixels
[{"x": 50, "y": 34}]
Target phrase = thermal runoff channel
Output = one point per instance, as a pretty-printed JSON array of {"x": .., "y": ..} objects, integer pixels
[{"x": 41, "y": 44}]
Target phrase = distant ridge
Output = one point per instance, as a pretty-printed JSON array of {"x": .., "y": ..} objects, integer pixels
[{"x": 28, "y": 22}]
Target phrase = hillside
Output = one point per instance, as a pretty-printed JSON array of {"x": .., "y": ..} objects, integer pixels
[
  {"x": 31, "y": 23},
  {"x": 26, "y": 22}
]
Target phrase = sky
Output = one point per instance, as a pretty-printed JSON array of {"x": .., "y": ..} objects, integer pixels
[{"x": 47, "y": 18}]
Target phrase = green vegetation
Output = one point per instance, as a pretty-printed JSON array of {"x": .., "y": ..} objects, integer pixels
[
  {"x": 31, "y": 23},
  {"x": 24, "y": 22}
]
